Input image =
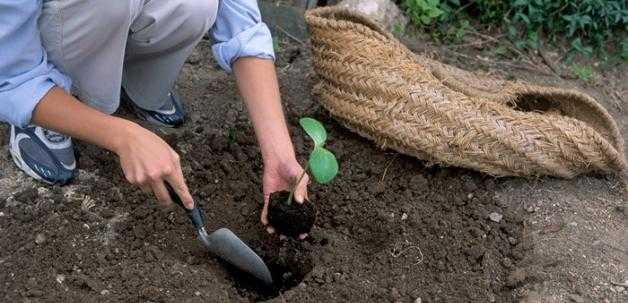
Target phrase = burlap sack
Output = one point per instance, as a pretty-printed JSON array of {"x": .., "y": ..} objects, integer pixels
[{"x": 378, "y": 88}]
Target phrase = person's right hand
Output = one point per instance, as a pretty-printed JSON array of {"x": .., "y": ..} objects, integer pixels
[{"x": 148, "y": 161}]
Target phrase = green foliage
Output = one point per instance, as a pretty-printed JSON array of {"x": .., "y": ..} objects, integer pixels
[
  {"x": 589, "y": 25},
  {"x": 423, "y": 12},
  {"x": 322, "y": 163},
  {"x": 398, "y": 29},
  {"x": 315, "y": 130},
  {"x": 583, "y": 72}
]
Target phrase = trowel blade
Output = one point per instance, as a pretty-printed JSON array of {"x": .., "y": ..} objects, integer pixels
[{"x": 226, "y": 245}]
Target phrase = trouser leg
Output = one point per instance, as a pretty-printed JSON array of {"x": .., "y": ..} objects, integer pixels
[
  {"x": 99, "y": 43},
  {"x": 86, "y": 39},
  {"x": 161, "y": 38}
]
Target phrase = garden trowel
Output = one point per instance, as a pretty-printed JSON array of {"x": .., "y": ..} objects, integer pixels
[{"x": 223, "y": 243}]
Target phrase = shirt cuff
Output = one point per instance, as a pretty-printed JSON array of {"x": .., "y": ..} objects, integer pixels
[
  {"x": 20, "y": 101},
  {"x": 253, "y": 42}
]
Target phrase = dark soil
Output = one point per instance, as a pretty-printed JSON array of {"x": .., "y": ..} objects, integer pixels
[
  {"x": 289, "y": 263},
  {"x": 291, "y": 219},
  {"x": 390, "y": 228}
]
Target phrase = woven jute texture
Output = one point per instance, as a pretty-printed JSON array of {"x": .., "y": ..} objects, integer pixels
[{"x": 378, "y": 88}]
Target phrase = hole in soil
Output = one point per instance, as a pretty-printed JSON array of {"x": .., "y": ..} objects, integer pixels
[{"x": 288, "y": 264}]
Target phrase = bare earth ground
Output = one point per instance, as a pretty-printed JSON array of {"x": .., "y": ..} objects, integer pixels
[{"x": 389, "y": 229}]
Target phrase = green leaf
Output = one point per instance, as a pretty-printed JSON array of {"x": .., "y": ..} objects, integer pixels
[
  {"x": 315, "y": 130},
  {"x": 323, "y": 165}
]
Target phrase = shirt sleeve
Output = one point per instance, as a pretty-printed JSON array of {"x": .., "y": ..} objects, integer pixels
[
  {"x": 239, "y": 32},
  {"x": 25, "y": 74}
]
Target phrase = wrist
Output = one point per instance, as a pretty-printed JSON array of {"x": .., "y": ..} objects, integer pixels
[
  {"x": 121, "y": 132},
  {"x": 276, "y": 156}
]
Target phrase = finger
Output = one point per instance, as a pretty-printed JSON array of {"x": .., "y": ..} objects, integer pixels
[
  {"x": 176, "y": 180},
  {"x": 264, "y": 215},
  {"x": 300, "y": 192},
  {"x": 160, "y": 191},
  {"x": 303, "y": 236}
]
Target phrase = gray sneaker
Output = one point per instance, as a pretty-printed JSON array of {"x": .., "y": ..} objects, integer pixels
[
  {"x": 43, "y": 154},
  {"x": 171, "y": 114}
]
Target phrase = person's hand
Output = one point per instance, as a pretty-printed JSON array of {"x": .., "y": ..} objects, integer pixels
[
  {"x": 280, "y": 175},
  {"x": 147, "y": 161}
]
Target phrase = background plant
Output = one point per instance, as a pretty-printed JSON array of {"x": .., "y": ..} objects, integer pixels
[{"x": 589, "y": 26}]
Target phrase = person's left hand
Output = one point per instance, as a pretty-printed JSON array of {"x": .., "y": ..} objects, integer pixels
[{"x": 280, "y": 175}]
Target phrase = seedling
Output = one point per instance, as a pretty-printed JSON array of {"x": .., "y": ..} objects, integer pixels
[
  {"x": 293, "y": 219},
  {"x": 322, "y": 163}
]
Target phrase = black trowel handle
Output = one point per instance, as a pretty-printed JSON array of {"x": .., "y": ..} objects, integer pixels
[{"x": 195, "y": 214}]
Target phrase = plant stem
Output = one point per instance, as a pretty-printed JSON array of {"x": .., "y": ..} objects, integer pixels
[{"x": 294, "y": 186}]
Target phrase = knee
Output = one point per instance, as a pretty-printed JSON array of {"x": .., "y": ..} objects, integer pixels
[
  {"x": 199, "y": 15},
  {"x": 114, "y": 13}
]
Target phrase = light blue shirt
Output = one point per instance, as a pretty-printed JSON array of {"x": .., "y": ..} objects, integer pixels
[{"x": 26, "y": 75}]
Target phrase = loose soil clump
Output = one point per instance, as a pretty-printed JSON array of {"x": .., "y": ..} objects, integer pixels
[{"x": 291, "y": 219}]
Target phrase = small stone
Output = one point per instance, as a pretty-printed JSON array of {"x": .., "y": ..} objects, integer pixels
[
  {"x": 417, "y": 300},
  {"x": 394, "y": 293},
  {"x": 40, "y": 239},
  {"x": 507, "y": 262},
  {"x": 512, "y": 240},
  {"x": 495, "y": 217},
  {"x": 104, "y": 292},
  {"x": 197, "y": 293},
  {"x": 385, "y": 12},
  {"x": 469, "y": 186},
  {"x": 60, "y": 278},
  {"x": 573, "y": 224},
  {"x": 576, "y": 298},
  {"x": 378, "y": 189},
  {"x": 404, "y": 217},
  {"x": 530, "y": 209}
]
